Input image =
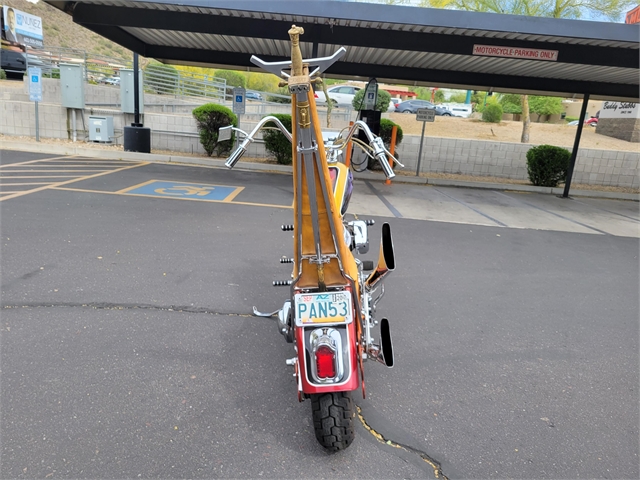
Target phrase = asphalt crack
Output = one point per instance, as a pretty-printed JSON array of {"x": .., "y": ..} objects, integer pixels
[
  {"x": 128, "y": 306},
  {"x": 434, "y": 464}
]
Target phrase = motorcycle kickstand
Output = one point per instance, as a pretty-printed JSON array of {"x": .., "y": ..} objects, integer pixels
[{"x": 257, "y": 313}]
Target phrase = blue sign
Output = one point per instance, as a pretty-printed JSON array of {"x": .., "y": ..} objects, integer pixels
[
  {"x": 190, "y": 191},
  {"x": 35, "y": 85},
  {"x": 239, "y": 100}
]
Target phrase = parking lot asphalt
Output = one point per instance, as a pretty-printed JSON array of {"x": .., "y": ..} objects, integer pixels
[{"x": 129, "y": 349}]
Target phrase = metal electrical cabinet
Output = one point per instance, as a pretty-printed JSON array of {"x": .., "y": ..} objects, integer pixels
[
  {"x": 72, "y": 85},
  {"x": 127, "y": 91},
  {"x": 101, "y": 129}
]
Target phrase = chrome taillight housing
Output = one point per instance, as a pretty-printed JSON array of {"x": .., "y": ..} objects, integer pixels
[{"x": 327, "y": 365}]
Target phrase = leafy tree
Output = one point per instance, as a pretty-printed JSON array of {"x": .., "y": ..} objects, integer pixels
[
  {"x": 511, "y": 103},
  {"x": 542, "y": 106},
  {"x": 233, "y": 78},
  {"x": 439, "y": 96},
  {"x": 262, "y": 82},
  {"x": 458, "y": 98},
  {"x": 382, "y": 103}
]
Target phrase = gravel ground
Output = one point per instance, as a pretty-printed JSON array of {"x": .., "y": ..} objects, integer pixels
[{"x": 548, "y": 133}]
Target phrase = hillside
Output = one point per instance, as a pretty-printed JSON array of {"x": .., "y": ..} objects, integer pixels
[{"x": 60, "y": 31}]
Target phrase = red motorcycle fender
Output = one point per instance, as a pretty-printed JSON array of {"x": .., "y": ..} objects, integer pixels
[{"x": 350, "y": 382}]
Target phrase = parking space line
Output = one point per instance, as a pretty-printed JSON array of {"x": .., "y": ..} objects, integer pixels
[
  {"x": 125, "y": 190},
  {"x": 37, "y": 160},
  {"x": 637, "y": 220},
  {"x": 30, "y": 183},
  {"x": 50, "y": 170},
  {"x": 384, "y": 200},
  {"x": 472, "y": 208},
  {"x": 37, "y": 176},
  {"x": 233, "y": 195},
  {"x": 73, "y": 180},
  {"x": 556, "y": 214}
]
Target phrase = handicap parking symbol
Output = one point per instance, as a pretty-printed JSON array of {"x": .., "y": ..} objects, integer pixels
[{"x": 192, "y": 191}]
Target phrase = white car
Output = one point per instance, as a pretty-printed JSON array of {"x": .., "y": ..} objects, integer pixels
[
  {"x": 392, "y": 104},
  {"x": 341, "y": 95}
]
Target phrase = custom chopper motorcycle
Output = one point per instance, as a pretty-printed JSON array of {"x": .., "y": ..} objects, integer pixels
[{"x": 329, "y": 315}]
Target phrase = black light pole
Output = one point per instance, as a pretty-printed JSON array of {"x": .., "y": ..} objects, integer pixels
[
  {"x": 136, "y": 93},
  {"x": 136, "y": 137},
  {"x": 576, "y": 144}
]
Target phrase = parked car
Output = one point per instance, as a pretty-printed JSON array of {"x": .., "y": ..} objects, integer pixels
[
  {"x": 340, "y": 95},
  {"x": 253, "y": 96},
  {"x": 459, "y": 109},
  {"x": 392, "y": 104},
  {"x": 111, "y": 81},
  {"x": 412, "y": 106}
]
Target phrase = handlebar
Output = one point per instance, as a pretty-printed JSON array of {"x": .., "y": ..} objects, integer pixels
[
  {"x": 379, "y": 151},
  {"x": 237, "y": 154}
]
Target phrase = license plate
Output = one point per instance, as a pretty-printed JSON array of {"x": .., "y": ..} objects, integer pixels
[{"x": 312, "y": 308}]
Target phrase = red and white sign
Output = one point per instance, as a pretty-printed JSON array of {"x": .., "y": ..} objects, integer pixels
[{"x": 513, "y": 52}]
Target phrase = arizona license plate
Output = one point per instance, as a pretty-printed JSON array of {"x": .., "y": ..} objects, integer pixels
[{"x": 332, "y": 307}]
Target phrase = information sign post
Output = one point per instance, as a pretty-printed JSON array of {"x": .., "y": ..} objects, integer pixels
[
  {"x": 423, "y": 115},
  {"x": 35, "y": 92},
  {"x": 239, "y": 102}
]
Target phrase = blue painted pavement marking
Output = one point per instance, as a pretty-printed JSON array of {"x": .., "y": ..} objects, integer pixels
[{"x": 193, "y": 191}]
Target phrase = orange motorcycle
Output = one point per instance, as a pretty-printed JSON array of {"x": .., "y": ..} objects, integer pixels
[{"x": 329, "y": 315}]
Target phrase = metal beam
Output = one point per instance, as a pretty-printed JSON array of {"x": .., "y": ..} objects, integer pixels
[
  {"x": 89, "y": 15},
  {"x": 486, "y": 80},
  {"x": 576, "y": 145}
]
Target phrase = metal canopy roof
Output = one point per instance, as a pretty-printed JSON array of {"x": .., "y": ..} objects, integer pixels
[{"x": 395, "y": 44}]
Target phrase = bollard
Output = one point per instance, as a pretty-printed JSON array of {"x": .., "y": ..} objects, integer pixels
[{"x": 392, "y": 149}]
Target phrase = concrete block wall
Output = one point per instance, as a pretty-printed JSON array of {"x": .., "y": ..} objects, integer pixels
[
  {"x": 177, "y": 132},
  {"x": 509, "y": 160}
]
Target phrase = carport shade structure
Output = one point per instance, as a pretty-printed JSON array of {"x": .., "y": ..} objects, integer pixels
[{"x": 395, "y": 44}]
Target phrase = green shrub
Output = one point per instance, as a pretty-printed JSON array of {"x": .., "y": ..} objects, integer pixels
[
  {"x": 275, "y": 141},
  {"x": 3, "y": 74},
  {"x": 386, "y": 127},
  {"x": 571, "y": 119},
  {"x": 382, "y": 102},
  {"x": 547, "y": 165},
  {"x": 492, "y": 113},
  {"x": 210, "y": 117}
]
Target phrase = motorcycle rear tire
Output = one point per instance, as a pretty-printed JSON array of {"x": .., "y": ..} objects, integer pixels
[{"x": 333, "y": 419}]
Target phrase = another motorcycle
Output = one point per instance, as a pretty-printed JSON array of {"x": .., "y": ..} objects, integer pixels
[{"x": 329, "y": 315}]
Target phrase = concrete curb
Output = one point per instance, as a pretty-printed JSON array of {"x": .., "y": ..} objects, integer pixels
[{"x": 260, "y": 167}]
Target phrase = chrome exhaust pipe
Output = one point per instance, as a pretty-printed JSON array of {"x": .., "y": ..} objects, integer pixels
[
  {"x": 386, "y": 260},
  {"x": 383, "y": 353}
]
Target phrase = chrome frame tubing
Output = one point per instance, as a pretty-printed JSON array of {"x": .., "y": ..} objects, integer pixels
[{"x": 242, "y": 148}]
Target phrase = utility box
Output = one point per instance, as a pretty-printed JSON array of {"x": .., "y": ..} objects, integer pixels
[
  {"x": 72, "y": 85},
  {"x": 127, "y": 91},
  {"x": 101, "y": 129}
]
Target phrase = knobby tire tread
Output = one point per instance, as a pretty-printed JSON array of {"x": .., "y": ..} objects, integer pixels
[{"x": 333, "y": 419}]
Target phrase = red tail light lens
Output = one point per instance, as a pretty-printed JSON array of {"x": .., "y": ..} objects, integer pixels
[
  {"x": 325, "y": 362},
  {"x": 315, "y": 95}
]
